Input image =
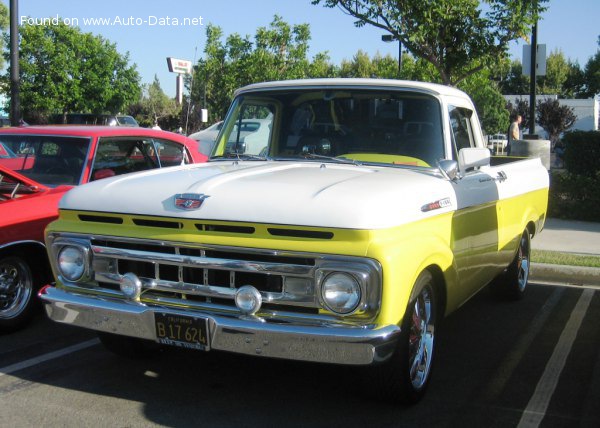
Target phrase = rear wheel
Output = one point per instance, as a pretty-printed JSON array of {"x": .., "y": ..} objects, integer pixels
[
  {"x": 513, "y": 282},
  {"x": 405, "y": 376},
  {"x": 18, "y": 286}
]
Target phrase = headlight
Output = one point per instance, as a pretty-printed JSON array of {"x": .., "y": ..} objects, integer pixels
[
  {"x": 71, "y": 262},
  {"x": 340, "y": 292}
]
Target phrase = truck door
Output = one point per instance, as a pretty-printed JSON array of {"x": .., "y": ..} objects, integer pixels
[{"x": 475, "y": 223}]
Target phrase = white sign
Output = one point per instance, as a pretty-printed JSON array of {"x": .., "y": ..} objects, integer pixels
[
  {"x": 181, "y": 66},
  {"x": 540, "y": 60}
]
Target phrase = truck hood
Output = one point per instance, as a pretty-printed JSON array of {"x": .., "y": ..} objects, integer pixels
[{"x": 292, "y": 193}]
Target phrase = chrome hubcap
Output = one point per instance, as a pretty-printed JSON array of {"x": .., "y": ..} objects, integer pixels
[
  {"x": 523, "y": 263},
  {"x": 15, "y": 288},
  {"x": 421, "y": 338}
]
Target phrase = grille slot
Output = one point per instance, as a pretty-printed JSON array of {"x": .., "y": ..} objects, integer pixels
[
  {"x": 100, "y": 219},
  {"x": 296, "y": 233},
  {"x": 158, "y": 223}
]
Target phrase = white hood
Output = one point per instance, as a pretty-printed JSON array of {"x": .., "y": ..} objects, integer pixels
[{"x": 291, "y": 193}]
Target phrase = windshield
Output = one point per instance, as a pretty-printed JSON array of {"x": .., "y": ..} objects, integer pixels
[
  {"x": 49, "y": 160},
  {"x": 403, "y": 128}
]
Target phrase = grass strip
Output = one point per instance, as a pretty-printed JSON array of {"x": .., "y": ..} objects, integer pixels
[{"x": 569, "y": 259}]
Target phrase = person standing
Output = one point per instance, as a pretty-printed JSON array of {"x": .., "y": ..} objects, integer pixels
[{"x": 513, "y": 131}]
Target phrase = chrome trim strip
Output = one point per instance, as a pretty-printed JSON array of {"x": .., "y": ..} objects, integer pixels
[
  {"x": 269, "y": 337},
  {"x": 203, "y": 263}
]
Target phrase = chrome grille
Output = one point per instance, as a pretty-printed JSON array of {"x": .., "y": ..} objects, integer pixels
[{"x": 207, "y": 276}]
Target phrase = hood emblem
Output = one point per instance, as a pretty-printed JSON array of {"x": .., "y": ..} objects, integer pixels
[{"x": 189, "y": 201}]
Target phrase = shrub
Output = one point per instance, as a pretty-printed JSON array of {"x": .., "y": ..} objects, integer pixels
[
  {"x": 574, "y": 196},
  {"x": 582, "y": 153}
]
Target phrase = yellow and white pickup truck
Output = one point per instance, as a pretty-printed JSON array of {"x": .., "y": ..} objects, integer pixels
[{"x": 357, "y": 215}]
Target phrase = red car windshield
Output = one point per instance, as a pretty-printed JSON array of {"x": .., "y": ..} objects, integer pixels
[{"x": 50, "y": 160}]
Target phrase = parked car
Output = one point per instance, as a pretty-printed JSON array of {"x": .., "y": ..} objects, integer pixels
[
  {"x": 369, "y": 211},
  {"x": 206, "y": 138},
  {"x": 497, "y": 143},
  {"x": 93, "y": 119},
  {"x": 38, "y": 165}
]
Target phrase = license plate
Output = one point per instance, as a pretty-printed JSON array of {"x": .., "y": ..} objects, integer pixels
[{"x": 183, "y": 331}]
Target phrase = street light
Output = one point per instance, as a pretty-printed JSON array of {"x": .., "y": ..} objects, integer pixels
[{"x": 390, "y": 38}]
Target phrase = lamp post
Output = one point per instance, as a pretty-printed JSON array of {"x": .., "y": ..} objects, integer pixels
[{"x": 390, "y": 38}]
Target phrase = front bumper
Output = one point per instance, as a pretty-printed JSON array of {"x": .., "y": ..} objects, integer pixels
[{"x": 321, "y": 342}]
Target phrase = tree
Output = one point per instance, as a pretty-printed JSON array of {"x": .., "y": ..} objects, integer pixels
[
  {"x": 277, "y": 52},
  {"x": 554, "y": 118},
  {"x": 513, "y": 82},
  {"x": 456, "y": 36},
  {"x": 4, "y": 24},
  {"x": 592, "y": 75},
  {"x": 489, "y": 102},
  {"x": 557, "y": 73},
  {"x": 155, "y": 107},
  {"x": 64, "y": 70}
]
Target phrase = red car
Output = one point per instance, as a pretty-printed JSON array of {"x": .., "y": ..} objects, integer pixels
[{"x": 38, "y": 164}]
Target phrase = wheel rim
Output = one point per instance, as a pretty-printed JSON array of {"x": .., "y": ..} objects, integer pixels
[
  {"x": 16, "y": 286},
  {"x": 523, "y": 262},
  {"x": 421, "y": 337}
]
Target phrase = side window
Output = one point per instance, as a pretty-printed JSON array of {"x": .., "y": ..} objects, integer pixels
[
  {"x": 461, "y": 128},
  {"x": 116, "y": 156},
  {"x": 170, "y": 153},
  {"x": 251, "y": 132}
]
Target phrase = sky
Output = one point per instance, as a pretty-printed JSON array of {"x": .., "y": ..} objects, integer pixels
[{"x": 146, "y": 28}]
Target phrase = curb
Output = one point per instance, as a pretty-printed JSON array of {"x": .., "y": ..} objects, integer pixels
[{"x": 572, "y": 275}]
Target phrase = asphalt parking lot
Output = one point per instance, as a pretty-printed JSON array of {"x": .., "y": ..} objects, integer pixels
[{"x": 531, "y": 363}]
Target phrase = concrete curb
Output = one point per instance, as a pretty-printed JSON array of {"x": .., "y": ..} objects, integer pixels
[{"x": 573, "y": 275}]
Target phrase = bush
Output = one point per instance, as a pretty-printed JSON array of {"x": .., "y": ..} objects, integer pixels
[
  {"x": 582, "y": 153},
  {"x": 574, "y": 196}
]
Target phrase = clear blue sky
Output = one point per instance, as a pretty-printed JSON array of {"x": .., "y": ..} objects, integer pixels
[{"x": 569, "y": 25}]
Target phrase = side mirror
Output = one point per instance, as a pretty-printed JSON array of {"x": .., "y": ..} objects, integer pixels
[
  {"x": 449, "y": 169},
  {"x": 473, "y": 157}
]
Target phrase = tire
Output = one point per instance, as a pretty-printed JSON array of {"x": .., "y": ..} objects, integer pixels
[
  {"x": 405, "y": 376},
  {"x": 512, "y": 283},
  {"x": 129, "y": 347},
  {"x": 18, "y": 288}
]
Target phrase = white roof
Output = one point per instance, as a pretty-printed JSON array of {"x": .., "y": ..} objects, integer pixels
[{"x": 432, "y": 88}]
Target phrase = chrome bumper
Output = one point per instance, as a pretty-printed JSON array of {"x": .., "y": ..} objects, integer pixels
[{"x": 319, "y": 343}]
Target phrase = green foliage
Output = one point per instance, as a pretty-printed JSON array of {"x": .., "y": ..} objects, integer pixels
[
  {"x": 277, "y": 52},
  {"x": 582, "y": 153},
  {"x": 557, "y": 72},
  {"x": 573, "y": 196},
  {"x": 155, "y": 107},
  {"x": 489, "y": 102},
  {"x": 458, "y": 37},
  {"x": 574, "y": 192},
  {"x": 64, "y": 70},
  {"x": 4, "y": 25},
  {"x": 554, "y": 118},
  {"x": 592, "y": 76}
]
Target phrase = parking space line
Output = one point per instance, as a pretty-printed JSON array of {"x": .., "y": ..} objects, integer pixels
[
  {"x": 46, "y": 357},
  {"x": 514, "y": 357},
  {"x": 538, "y": 404}
]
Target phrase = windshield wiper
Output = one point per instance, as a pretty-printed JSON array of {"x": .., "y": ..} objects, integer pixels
[
  {"x": 240, "y": 156},
  {"x": 331, "y": 158}
]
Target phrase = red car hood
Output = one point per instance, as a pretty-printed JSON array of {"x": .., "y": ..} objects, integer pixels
[{"x": 15, "y": 176}]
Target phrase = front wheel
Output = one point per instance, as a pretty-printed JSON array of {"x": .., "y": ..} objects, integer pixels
[
  {"x": 405, "y": 376},
  {"x": 17, "y": 293}
]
